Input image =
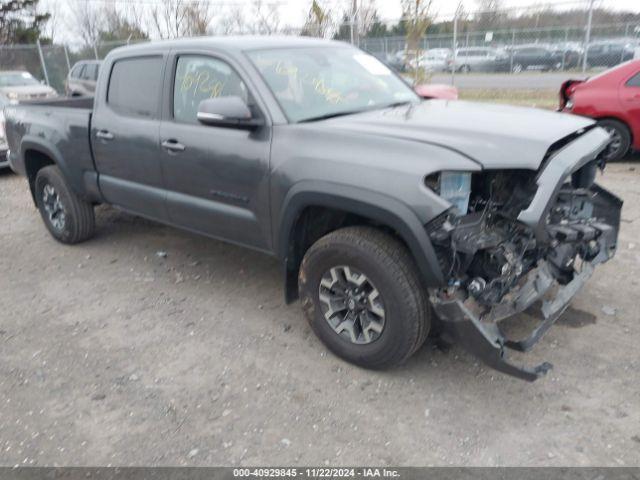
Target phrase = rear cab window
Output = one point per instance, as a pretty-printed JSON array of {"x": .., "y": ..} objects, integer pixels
[{"x": 135, "y": 86}]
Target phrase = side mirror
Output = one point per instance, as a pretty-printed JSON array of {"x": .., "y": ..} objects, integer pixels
[{"x": 227, "y": 112}]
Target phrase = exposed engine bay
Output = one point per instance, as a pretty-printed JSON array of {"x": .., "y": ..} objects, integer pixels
[
  {"x": 488, "y": 251},
  {"x": 497, "y": 265}
]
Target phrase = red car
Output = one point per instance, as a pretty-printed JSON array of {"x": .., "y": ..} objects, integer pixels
[
  {"x": 437, "y": 90},
  {"x": 612, "y": 98}
]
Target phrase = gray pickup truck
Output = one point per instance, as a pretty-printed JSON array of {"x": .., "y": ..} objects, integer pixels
[{"x": 392, "y": 216}]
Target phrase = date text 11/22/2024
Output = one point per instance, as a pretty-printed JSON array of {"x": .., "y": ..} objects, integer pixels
[{"x": 316, "y": 472}]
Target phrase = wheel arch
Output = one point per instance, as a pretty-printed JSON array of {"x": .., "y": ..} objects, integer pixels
[
  {"x": 37, "y": 155},
  {"x": 601, "y": 117},
  {"x": 632, "y": 137},
  {"x": 345, "y": 206}
]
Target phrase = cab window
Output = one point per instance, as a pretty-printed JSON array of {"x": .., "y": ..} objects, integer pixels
[
  {"x": 134, "y": 86},
  {"x": 634, "y": 81},
  {"x": 76, "y": 72},
  {"x": 200, "y": 77},
  {"x": 90, "y": 72}
]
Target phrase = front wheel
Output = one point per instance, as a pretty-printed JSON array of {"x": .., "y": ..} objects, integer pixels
[
  {"x": 362, "y": 296},
  {"x": 69, "y": 218},
  {"x": 620, "y": 139}
]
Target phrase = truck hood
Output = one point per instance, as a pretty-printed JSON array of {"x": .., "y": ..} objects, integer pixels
[{"x": 495, "y": 136}]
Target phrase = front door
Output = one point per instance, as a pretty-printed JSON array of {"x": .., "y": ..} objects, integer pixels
[
  {"x": 216, "y": 177},
  {"x": 125, "y": 137}
]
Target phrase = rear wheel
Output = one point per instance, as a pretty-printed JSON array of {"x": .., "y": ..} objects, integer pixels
[
  {"x": 517, "y": 68},
  {"x": 620, "y": 139},
  {"x": 363, "y": 298},
  {"x": 69, "y": 218},
  {"x": 465, "y": 69}
]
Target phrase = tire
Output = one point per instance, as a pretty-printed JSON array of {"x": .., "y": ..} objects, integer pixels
[
  {"x": 388, "y": 269},
  {"x": 621, "y": 139},
  {"x": 517, "y": 68},
  {"x": 69, "y": 218},
  {"x": 465, "y": 69}
]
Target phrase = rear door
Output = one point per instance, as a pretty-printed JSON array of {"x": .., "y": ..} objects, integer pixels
[
  {"x": 630, "y": 99},
  {"x": 216, "y": 177},
  {"x": 124, "y": 134}
]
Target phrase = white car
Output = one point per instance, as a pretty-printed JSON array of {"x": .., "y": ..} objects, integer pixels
[
  {"x": 17, "y": 86},
  {"x": 435, "y": 60}
]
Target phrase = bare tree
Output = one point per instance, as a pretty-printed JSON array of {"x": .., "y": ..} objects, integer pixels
[
  {"x": 488, "y": 14},
  {"x": 198, "y": 18},
  {"x": 50, "y": 29},
  {"x": 86, "y": 20},
  {"x": 121, "y": 24},
  {"x": 168, "y": 18},
  {"x": 267, "y": 18},
  {"x": 135, "y": 15},
  {"x": 417, "y": 17},
  {"x": 232, "y": 21},
  {"x": 364, "y": 14},
  {"x": 318, "y": 22},
  {"x": 179, "y": 18}
]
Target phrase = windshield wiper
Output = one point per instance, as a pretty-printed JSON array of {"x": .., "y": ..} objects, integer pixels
[
  {"x": 353, "y": 112},
  {"x": 327, "y": 116},
  {"x": 399, "y": 104}
]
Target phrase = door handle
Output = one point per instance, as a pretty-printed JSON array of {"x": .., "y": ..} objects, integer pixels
[
  {"x": 173, "y": 146},
  {"x": 104, "y": 135}
]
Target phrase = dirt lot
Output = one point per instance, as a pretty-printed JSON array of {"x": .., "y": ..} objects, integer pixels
[{"x": 112, "y": 354}]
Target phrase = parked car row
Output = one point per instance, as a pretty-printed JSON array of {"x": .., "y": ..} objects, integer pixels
[{"x": 519, "y": 58}]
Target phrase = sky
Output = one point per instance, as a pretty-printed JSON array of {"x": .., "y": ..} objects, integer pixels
[{"x": 293, "y": 12}]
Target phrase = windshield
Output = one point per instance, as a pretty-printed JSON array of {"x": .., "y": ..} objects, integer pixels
[
  {"x": 17, "y": 79},
  {"x": 312, "y": 83}
]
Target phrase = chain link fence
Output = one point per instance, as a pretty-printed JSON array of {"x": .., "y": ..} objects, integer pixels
[
  {"x": 505, "y": 51},
  {"x": 513, "y": 50},
  {"x": 51, "y": 63}
]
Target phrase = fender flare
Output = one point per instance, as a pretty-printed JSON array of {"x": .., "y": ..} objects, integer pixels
[
  {"x": 75, "y": 177},
  {"x": 366, "y": 203}
]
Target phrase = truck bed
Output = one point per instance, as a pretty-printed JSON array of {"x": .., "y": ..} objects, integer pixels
[
  {"x": 85, "y": 103},
  {"x": 58, "y": 128}
]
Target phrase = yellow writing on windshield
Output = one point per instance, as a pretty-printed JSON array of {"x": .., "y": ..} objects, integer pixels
[{"x": 331, "y": 95}]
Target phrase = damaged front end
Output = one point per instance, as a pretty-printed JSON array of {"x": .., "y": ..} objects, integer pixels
[{"x": 526, "y": 238}]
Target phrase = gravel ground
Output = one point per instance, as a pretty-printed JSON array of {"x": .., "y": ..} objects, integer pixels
[{"x": 113, "y": 355}]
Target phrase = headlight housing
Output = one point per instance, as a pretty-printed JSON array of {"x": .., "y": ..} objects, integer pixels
[{"x": 454, "y": 187}]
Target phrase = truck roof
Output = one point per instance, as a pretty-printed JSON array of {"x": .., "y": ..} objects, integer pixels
[{"x": 236, "y": 42}]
